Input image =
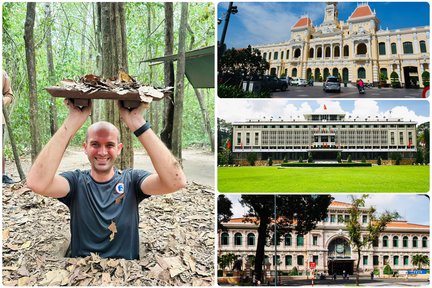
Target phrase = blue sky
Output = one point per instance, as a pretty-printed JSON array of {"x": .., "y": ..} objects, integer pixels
[
  {"x": 270, "y": 22},
  {"x": 414, "y": 208},
  {"x": 242, "y": 109}
]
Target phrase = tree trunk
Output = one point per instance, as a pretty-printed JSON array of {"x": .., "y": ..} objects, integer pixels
[
  {"x": 83, "y": 67},
  {"x": 259, "y": 256},
  {"x": 358, "y": 265},
  {"x": 179, "y": 87},
  {"x": 31, "y": 72},
  {"x": 51, "y": 71},
  {"x": 168, "y": 120},
  {"x": 97, "y": 104},
  {"x": 114, "y": 57},
  {"x": 13, "y": 144},
  {"x": 206, "y": 119}
]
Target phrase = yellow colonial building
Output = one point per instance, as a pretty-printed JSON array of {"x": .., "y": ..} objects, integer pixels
[{"x": 352, "y": 49}]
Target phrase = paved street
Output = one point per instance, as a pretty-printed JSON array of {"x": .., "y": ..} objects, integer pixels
[
  {"x": 349, "y": 92},
  {"x": 365, "y": 282}
]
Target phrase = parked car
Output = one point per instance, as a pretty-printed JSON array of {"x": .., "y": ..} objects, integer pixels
[
  {"x": 302, "y": 82},
  {"x": 295, "y": 81},
  {"x": 332, "y": 84},
  {"x": 286, "y": 80},
  {"x": 273, "y": 83}
]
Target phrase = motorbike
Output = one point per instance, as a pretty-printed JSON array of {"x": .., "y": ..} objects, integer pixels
[
  {"x": 361, "y": 90},
  {"x": 310, "y": 83},
  {"x": 369, "y": 85}
]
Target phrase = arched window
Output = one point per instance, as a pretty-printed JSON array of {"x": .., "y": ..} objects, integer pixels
[
  {"x": 251, "y": 239},
  {"x": 300, "y": 240},
  {"x": 288, "y": 240},
  {"x": 405, "y": 242},
  {"x": 311, "y": 52},
  {"x": 424, "y": 242},
  {"x": 297, "y": 53},
  {"x": 386, "y": 259},
  {"x": 238, "y": 239},
  {"x": 282, "y": 55},
  {"x": 384, "y": 72},
  {"x": 275, "y": 55},
  {"x": 336, "y": 52},
  {"x": 381, "y": 48},
  {"x": 287, "y": 55},
  {"x": 327, "y": 51},
  {"x": 276, "y": 260},
  {"x": 385, "y": 241},
  {"x": 361, "y": 73},
  {"x": 396, "y": 260},
  {"x": 317, "y": 74},
  {"x": 345, "y": 75},
  {"x": 309, "y": 73},
  {"x": 422, "y": 46},
  {"x": 294, "y": 72},
  {"x": 276, "y": 239},
  {"x": 273, "y": 71},
  {"x": 395, "y": 241},
  {"x": 225, "y": 238},
  {"x": 361, "y": 49},
  {"x": 335, "y": 73},
  {"x": 415, "y": 242},
  {"x": 346, "y": 51},
  {"x": 288, "y": 260},
  {"x": 265, "y": 55},
  {"x": 393, "y": 48},
  {"x": 300, "y": 260},
  {"x": 326, "y": 73},
  {"x": 407, "y": 48},
  {"x": 406, "y": 260},
  {"x": 319, "y": 52},
  {"x": 269, "y": 56}
]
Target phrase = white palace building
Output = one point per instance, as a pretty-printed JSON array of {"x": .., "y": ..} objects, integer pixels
[
  {"x": 325, "y": 135},
  {"x": 352, "y": 49},
  {"x": 327, "y": 245}
]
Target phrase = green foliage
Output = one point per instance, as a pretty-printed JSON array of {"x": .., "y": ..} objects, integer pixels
[
  {"x": 294, "y": 271},
  {"x": 251, "y": 158},
  {"x": 225, "y": 91},
  {"x": 226, "y": 260},
  {"x": 383, "y": 76},
  {"x": 376, "y": 272},
  {"x": 75, "y": 39},
  {"x": 419, "y": 157},
  {"x": 420, "y": 260},
  {"x": 349, "y": 159},
  {"x": 300, "y": 159},
  {"x": 426, "y": 78},
  {"x": 379, "y": 161},
  {"x": 388, "y": 270},
  {"x": 339, "y": 157},
  {"x": 270, "y": 161},
  {"x": 310, "y": 158},
  {"x": 397, "y": 157},
  {"x": 394, "y": 77}
]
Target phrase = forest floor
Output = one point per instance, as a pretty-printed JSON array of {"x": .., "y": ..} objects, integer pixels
[{"x": 176, "y": 234}]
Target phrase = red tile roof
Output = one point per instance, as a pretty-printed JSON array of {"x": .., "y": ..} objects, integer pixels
[
  {"x": 340, "y": 204},
  {"x": 405, "y": 224},
  {"x": 362, "y": 11},
  {"x": 303, "y": 22}
]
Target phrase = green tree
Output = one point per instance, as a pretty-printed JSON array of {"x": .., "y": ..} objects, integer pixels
[
  {"x": 379, "y": 161},
  {"x": 239, "y": 64},
  {"x": 251, "y": 158},
  {"x": 420, "y": 260},
  {"x": 426, "y": 78},
  {"x": 388, "y": 270},
  {"x": 310, "y": 158},
  {"x": 224, "y": 206},
  {"x": 307, "y": 210},
  {"x": 361, "y": 237},
  {"x": 419, "y": 157},
  {"x": 294, "y": 271},
  {"x": 226, "y": 260}
]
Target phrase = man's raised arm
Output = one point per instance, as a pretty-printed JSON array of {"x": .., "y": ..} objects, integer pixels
[
  {"x": 42, "y": 178},
  {"x": 169, "y": 175}
]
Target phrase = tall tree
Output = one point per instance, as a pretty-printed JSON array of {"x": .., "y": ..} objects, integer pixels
[
  {"x": 51, "y": 71},
  {"x": 361, "y": 237},
  {"x": 179, "y": 87},
  {"x": 31, "y": 74},
  {"x": 419, "y": 260},
  {"x": 168, "y": 120},
  {"x": 114, "y": 58},
  {"x": 224, "y": 206},
  {"x": 294, "y": 212}
]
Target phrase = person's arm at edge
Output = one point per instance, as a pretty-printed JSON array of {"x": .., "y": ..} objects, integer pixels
[
  {"x": 169, "y": 175},
  {"x": 42, "y": 178}
]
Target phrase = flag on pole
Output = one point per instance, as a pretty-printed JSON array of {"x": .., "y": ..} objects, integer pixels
[
  {"x": 325, "y": 107},
  {"x": 409, "y": 144},
  {"x": 228, "y": 144},
  {"x": 241, "y": 145}
]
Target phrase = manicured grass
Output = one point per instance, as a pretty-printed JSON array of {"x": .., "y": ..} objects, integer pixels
[{"x": 355, "y": 179}]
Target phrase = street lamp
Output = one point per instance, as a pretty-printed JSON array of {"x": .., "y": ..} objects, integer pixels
[{"x": 231, "y": 10}]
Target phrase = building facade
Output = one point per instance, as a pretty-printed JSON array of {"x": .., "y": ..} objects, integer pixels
[
  {"x": 325, "y": 135},
  {"x": 327, "y": 245},
  {"x": 352, "y": 49}
]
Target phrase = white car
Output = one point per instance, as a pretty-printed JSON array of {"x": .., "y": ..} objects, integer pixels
[
  {"x": 295, "y": 81},
  {"x": 302, "y": 82}
]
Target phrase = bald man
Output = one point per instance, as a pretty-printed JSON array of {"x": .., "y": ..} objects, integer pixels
[{"x": 103, "y": 201}]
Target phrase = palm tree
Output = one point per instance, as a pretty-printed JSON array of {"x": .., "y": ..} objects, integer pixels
[{"x": 419, "y": 260}]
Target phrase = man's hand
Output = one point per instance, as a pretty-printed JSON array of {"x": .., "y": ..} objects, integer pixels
[
  {"x": 134, "y": 118},
  {"x": 77, "y": 116}
]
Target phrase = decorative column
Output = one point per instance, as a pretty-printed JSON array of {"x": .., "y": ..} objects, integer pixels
[
  {"x": 399, "y": 48},
  {"x": 416, "y": 44}
]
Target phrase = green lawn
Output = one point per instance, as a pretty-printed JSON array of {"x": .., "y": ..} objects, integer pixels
[{"x": 356, "y": 179}]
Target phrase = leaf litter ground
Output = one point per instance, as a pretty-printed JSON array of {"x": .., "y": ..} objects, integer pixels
[{"x": 176, "y": 243}]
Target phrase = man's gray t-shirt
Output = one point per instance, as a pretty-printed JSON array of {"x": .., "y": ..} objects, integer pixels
[{"x": 95, "y": 206}]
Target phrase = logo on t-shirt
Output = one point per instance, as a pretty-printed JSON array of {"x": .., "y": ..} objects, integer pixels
[{"x": 120, "y": 188}]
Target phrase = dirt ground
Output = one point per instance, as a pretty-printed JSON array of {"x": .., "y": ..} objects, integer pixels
[{"x": 198, "y": 164}]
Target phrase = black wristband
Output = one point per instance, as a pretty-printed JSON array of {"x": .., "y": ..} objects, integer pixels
[{"x": 142, "y": 129}]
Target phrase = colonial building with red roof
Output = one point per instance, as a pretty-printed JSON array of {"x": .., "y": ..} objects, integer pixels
[
  {"x": 328, "y": 245},
  {"x": 353, "y": 49}
]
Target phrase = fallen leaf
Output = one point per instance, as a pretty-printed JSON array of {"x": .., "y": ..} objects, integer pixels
[
  {"x": 106, "y": 279},
  {"x": 5, "y": 234},
  {"x": 26, "y": 245},
  {"x": 54, "y": 278},
  {"x": 113, "y": 228}
]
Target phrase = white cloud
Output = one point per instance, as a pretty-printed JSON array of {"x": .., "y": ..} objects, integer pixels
[{"x": 406, "y": 114}]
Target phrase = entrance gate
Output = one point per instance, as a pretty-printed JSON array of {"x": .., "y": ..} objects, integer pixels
[
  {"x": 339, "y": 265},
  {"x": 411, "y": 77}
]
